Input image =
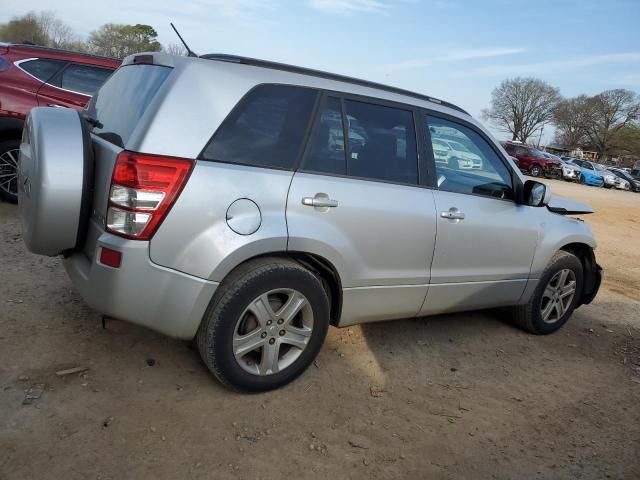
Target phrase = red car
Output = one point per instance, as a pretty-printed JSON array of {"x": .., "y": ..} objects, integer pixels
[
  {"x": 33, "y": 76},
  {"x": 533, "y": 161}
]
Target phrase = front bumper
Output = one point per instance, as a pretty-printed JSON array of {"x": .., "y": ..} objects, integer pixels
[
  {"x": 139, "y": 291},
  {"x": 570, "y": 174},
  {"x": 552, "y": 170}
]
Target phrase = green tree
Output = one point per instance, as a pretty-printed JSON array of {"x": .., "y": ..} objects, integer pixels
[
  {"x": 118, "y": 40},
  {"x": 25, "y": 29}
]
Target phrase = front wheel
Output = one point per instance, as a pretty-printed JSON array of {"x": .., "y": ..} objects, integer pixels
[
  {"x": 536, "y": 171},
  {"x": 265, "y": 325},
  {"x": 555, "y": 298},
  {"x": 581, "y": 180}
]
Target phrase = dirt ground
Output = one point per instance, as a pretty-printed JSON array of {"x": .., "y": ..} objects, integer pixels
[{"x": 457, "y": 396}]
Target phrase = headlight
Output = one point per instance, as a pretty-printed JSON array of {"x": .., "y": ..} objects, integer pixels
[{"x": 609, "y": 178}]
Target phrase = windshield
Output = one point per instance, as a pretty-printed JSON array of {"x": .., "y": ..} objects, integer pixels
[{"x": 599, "y": 167}]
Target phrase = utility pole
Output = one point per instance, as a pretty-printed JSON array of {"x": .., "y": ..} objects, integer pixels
[{"x": 540, "y": 137}]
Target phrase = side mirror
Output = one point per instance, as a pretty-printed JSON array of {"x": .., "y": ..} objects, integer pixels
[{"x": 536, "y": 194}]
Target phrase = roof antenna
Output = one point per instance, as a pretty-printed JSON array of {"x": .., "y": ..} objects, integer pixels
[{"x": 190, "y": 52}]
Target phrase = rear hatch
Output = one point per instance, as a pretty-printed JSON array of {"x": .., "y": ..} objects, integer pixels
[{"x": 115, "y": 112}]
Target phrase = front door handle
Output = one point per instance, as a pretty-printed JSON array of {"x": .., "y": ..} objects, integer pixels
[
  {"x": 55, "y": 105},
  {"x": 319, "y": 201},
  {"x": 452, "y": 214}
]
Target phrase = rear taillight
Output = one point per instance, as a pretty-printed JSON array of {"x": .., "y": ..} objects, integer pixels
[{"x": 143, "y": 189}]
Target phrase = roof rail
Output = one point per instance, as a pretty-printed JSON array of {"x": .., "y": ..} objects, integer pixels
[
  {"x": 221, "y": 57},
  {"x": 52, "y": 49}
]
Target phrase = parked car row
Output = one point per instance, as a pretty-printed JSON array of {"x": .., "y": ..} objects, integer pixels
[
  {"x": 32, "y": 76},
  {"x": 537, "y": 163},
  {"x": 593, "y": 173}
]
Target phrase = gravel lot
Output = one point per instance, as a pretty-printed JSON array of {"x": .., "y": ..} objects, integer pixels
[{"x": 457, "y": 396}]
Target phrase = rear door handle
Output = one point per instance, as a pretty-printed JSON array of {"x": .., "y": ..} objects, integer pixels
[
  {"x": 319, "y": 202},
  {"x": 452, "y": 214}
]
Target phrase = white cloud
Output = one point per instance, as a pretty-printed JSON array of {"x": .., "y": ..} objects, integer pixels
[
  {"x": 347, "y": 7},
  {"x": 556, "y": 65},
  {"x": 631, "y": 79},
  {"x": 450, "y": 56},
  {"x": 473, "y": 53}
]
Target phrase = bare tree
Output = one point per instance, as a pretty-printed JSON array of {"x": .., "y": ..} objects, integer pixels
[
  {"x": 59, "y": 34},
  {"x": 571, "y": 118},
  {"x": 175, "y": 49},
  {"x": 521, "y": 106},
  {"x": 610, "y": 112}
]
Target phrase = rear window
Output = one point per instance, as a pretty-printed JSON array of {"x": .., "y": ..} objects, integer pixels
[
  {"x": 84, "y": 78},
  {"x": 123, "y": 99},
  {"x": 43, "y": 69},
  {"x": 266, "y": 128}
]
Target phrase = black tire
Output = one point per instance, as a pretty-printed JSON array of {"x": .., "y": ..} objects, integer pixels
[
  {"x": 235, "y": 293},
  {"x": 9, "y": 192},
  {"x": 536, "y": 171},
  {"x": 581, "y": 180},
  {"x": 529, "y": 316}
]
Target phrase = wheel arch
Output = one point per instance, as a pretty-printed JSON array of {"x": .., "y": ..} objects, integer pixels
[
  {"x": 592, "y": 272},
  {"x": 318, "y": 265},
  {"x": 10, "y": 129}
]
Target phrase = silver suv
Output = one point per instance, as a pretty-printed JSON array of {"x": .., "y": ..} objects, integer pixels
[{"x": 249, "y": 205}]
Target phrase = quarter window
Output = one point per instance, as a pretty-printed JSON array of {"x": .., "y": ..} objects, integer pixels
[
  {"x": 83, "y": 78},
  {"x": 266, "y": 128},
  {"x": 380, "y": 142},
  {"x": 43, "y": 69},
  {"x": 465, "y": 162}
]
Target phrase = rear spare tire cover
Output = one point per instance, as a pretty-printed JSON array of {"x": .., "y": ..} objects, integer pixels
[{"x": 54, "y": 175}]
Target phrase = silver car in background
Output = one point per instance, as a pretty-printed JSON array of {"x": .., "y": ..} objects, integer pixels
[{"x": 249, "y": 205}]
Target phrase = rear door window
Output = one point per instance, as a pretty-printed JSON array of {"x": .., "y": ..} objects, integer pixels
[
  {"x": 266, "y": 128},
  {"x": 326, "y": 152},
  {"x": 42, "y": 68},
  {"x": 123, "y": 99},
  {"x": 380, "y": 143},
  {"x": 84, "y": 79}
]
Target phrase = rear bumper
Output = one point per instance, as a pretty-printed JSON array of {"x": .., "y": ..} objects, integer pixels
[{"x": 139, "y": 291}]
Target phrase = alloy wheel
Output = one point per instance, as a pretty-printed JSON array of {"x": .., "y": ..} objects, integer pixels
[
  {"x": 9, "y": 171},
  {"x": 273, "y": 331},
  {"x": 558, "y": 296}
]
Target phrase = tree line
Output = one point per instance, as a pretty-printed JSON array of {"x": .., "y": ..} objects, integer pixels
[
  {"x": 110, "y": 40},
  {"x": 607, "y": 123}
]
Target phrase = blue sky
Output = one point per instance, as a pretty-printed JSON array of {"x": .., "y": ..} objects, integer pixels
[{"x": 458, "y": 50}]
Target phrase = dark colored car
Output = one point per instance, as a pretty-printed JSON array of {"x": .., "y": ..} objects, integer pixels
[
  {"x": 32, "y": 76},
  {"x": 634, "y": 183},
  {"x": 534, "y": 162}
]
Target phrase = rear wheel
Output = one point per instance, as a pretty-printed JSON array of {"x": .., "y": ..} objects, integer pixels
[
  {"x": 265, "y": 325},
  {"x": 536, "y": 171},
  {"x": 555, "y": 297},
  {"x": 9, "y": 153}
]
